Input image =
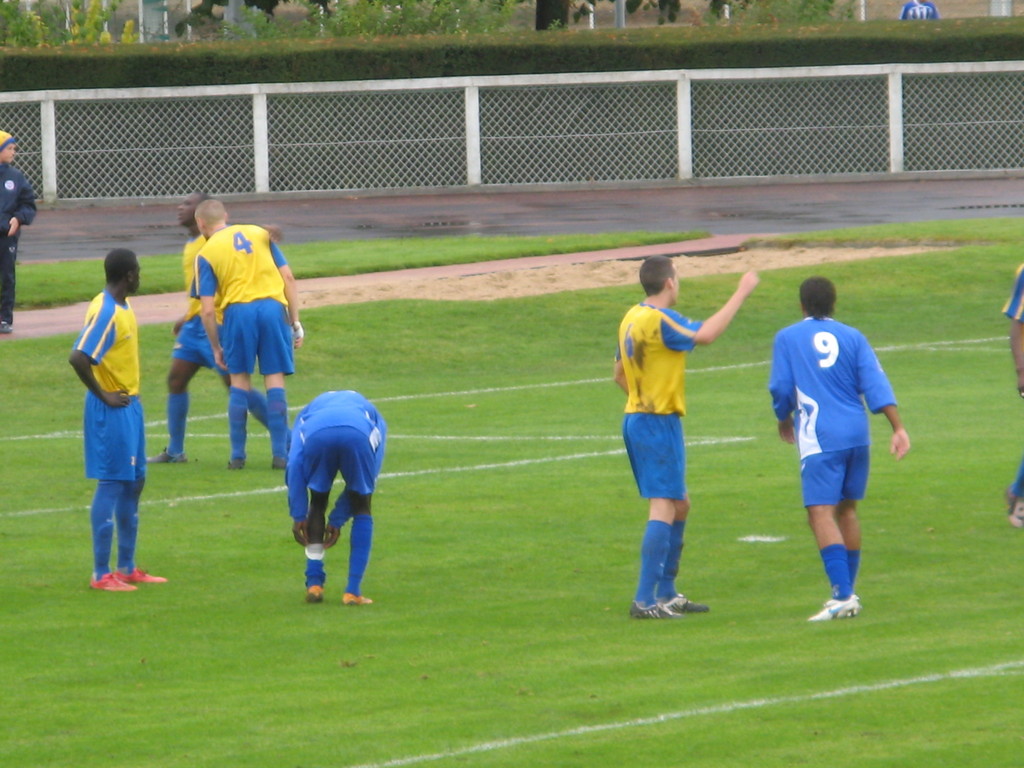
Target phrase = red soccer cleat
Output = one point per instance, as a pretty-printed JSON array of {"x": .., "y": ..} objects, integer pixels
[
  {"x": 109, "y": 582},
  {"x": 139, "y": 576}
]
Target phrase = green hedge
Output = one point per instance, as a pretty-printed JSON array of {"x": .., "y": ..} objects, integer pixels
[{"x": 172, "y": 64}]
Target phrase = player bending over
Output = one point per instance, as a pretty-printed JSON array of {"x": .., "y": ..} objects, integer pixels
[{"x": 337, "y": 432}]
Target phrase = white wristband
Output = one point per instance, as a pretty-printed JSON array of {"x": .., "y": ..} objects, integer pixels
[{"x": 297, "y": 330}]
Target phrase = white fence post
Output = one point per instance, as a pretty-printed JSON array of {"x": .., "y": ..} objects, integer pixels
[
  {"x": 260, "y": 143},
  {"x": 473, "y": 171},
  {"x": 48, "y": 148},
  {"x": 684, "y": 126},
  {"x": 895, "y": 122}
]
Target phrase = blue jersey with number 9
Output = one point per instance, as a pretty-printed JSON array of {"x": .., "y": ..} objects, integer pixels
[{"x": 823, "y": 372}]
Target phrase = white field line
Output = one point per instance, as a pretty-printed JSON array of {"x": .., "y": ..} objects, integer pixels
[
  {"x": 936, "y": 346},
  {"x": 384, "y": 476},
  {"x": 996, "y": 670}
]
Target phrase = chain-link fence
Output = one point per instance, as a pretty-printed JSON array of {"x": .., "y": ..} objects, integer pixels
[{"x": 521, "y": 130}]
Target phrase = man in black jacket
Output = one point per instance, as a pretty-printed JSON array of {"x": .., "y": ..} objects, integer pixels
[{"x": 17, "y": 209}]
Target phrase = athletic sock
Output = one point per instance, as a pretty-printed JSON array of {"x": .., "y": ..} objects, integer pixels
[
  {"x": 315, "y": 573},
  {"x": 666, "y": 588},
  {"x": 101, "y": 515},
  {"x": 177, "y": 415},
  {"x": 277, "y": 421},
  {"x": 360, "y": 544},
  {"x": 238, "y": 411},
  {"x": 653, "y": 552},
  {"x": 257, "y": 403},
  {"x": 853, "y": 561},
  {"x": 837, "y": 568},
  {"x": 126, "y": 512}
]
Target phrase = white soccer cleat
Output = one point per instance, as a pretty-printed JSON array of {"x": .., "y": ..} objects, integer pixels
[{"x": 838, "y": 609}]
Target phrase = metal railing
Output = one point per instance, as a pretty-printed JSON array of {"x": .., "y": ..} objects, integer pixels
[{"x": 569, "y": 129}]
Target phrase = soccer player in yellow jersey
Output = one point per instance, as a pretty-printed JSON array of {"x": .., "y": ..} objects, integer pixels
[
  {"x": 106, "y": 358},
  {"x": 650, "y": 366},
  {"x": 243, "y": 275},
  {"x": 192, "y": 349}
]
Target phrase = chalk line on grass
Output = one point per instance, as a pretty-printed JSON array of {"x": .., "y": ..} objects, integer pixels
[{"x": 995, "y": 670}]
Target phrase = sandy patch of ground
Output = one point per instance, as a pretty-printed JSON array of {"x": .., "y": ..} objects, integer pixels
[{"x": 554, "y": 279}]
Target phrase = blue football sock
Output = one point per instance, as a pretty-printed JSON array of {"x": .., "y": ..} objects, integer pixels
[
  {"x": 666, "y": 588},
  {"x": 837, "y": 568},
  {"x": 360, "y": 543},
  {"x": 257, "y": 402},
  {"x": 101, "y": 515},
  {"x": 177, "y": 414},
  {"x": 653, "y": 552},
  {"x": 277, "y": 421},
  {"x": 238, "y": 411},
  {"x": 315, "y": 573},
  {"x": 1017, "y": 489},
  {"x": 127, "y": 515},
  {"x": 853, "y": 562}
]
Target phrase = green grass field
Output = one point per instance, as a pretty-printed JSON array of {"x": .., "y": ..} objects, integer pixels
[{"x": 506, "y": 549}]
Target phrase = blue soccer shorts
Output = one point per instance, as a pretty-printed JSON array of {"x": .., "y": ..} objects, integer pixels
[
  {"x": 115, "y": 440},
  {"x": 347, "y": 450},
  {"x": 831, "y": 477},
  {"x": 654, "y": 444},
  {"x": 258, "y": 330},
  {"x": 193, "y": 345}
]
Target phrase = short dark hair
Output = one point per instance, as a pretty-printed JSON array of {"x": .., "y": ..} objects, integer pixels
[
  {"x": 818, "y": 297},
  {"x": 119, "y": 263},
  {"x": 654, "y": 272}
]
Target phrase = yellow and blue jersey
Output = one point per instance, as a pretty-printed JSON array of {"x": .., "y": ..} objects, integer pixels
[
  {"x": 238, "y": 265},
  {"x": 188, "y": 266},
  {"x": 653, "y": 344},
  {"x": 110, "y": 338}
]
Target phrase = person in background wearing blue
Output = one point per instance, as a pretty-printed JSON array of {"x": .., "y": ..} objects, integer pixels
[
  {"x": 192, "y": 349},
  {"x": 17, "y": 210},
  {"x": 106, "y": 358},
  {"x": 916, "y": 9},
  {"x": 337, "y": 432},
  {"x": 824, "y": 372}
]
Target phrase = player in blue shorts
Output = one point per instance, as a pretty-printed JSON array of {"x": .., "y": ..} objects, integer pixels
[
  {"x": 192, "y": 349},
  {"x": 650, "y": 367},
  {"x": 106, "y": 358},
  {"x": 338, "y": 432},
  {"x": 242, "y": 275},
  {"x": 824, "y": 372}
]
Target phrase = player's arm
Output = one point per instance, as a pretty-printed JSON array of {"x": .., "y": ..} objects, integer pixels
[
  {"x": 619, "y": 376},
  {"x": 782, "y": 388},
  {"x": 1017, "y": 350},
  {"x": 82, "y": 364},
  {"x": 291, "y": 293},
  {"x": 715, "y": 325},
  {"x": 900, "y": 442}
]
